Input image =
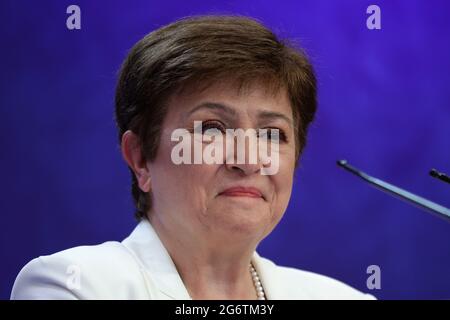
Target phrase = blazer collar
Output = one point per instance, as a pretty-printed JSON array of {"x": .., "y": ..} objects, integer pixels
[
  {"x": 156, "y": 261},
  {"x": 153, "y": 257}
]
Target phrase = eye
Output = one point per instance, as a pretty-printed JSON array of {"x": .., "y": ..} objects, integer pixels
[
  {"x": 213, "y": 124},
  {"x": 273, "y": 134}
]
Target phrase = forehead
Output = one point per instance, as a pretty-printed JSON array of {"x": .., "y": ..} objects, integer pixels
[{"x": 248, "y": 98}]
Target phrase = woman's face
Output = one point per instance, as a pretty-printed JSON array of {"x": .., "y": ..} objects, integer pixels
[{"x": 230, "y": 201}]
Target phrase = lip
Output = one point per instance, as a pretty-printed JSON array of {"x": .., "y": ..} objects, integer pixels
[{"x": 239, "y": 191}]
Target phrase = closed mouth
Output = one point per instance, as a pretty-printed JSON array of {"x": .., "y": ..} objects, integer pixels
[{"x": 249, "y": 192}]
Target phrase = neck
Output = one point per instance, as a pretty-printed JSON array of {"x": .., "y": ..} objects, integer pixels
[{"x": 210, "y": 268}]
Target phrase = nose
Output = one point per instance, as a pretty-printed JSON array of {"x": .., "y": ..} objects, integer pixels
[
  {"x": 244, "y": 169},
  {"x": 245, "y": 159}
]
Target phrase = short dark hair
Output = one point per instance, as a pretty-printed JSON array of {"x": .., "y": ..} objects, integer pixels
[{"x": 202, "y": 50}]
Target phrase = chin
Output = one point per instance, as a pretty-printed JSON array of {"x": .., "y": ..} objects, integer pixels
[{"x": 246, "y": 222}]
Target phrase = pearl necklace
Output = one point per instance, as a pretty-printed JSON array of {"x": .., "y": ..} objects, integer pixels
[{"x": 257, "y": 282}]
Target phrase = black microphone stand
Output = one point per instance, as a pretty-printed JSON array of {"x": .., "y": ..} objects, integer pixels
[
  {"x": 409, "y": 197},
  {"x": 439, "y": 175}
]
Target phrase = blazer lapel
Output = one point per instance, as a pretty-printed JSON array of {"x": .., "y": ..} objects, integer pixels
[
  {"x": 153, "y": 257},
  {"x": 275, "y": 286}
]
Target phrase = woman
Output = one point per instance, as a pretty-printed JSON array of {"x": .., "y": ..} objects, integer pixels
[{"x": 200, "y": 221}]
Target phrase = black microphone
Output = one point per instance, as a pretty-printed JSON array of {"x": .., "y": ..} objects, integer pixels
[
  {"x": 420, "y": 202},
  {"x": 439, "y": 175}
]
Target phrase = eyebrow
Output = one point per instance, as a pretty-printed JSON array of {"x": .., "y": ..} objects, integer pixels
[
  {"x": 270, "y": 115},
  {"x": 266, "y": 115},
  {"x": 215, "y": 107}
]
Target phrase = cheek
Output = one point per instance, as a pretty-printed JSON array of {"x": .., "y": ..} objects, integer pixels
[
  {"x": 283, "y": 185},
  {"x": 191, "y": 184},
  {"x": 283, "y": 182}
]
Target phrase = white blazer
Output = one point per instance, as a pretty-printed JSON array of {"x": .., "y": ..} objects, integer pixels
[{"x": 140, "y": 267}]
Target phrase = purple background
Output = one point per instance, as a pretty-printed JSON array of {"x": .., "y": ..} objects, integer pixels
[{"x": 384, "y": 105}]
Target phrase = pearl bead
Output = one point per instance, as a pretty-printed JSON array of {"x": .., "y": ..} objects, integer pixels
[{"x": 257, "y": 283}]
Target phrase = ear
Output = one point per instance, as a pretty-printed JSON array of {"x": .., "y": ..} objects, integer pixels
[{"x": 132, "y": 153}]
